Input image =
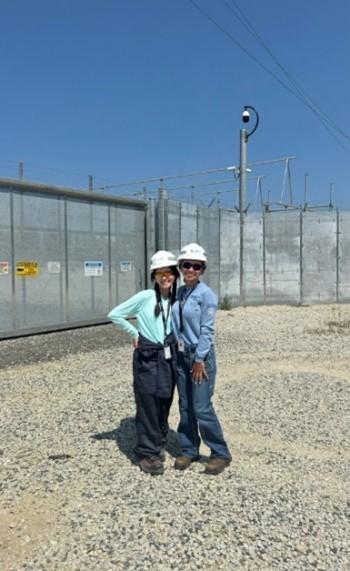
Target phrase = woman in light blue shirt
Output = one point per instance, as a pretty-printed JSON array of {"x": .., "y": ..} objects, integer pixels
[
  {"x": 154, "y": 359},
  {"x": 193, "y": 319}
]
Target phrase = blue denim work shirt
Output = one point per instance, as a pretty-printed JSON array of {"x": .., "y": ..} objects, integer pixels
[{"x": 198, "y": 318}]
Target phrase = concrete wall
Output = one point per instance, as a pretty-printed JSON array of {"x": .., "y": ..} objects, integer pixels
[{"x": 289, "y": 257}]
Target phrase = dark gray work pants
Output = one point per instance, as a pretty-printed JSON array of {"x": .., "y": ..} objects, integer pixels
[{"x": 151, "y": 422}]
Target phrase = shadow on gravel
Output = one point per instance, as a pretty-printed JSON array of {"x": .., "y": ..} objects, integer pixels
[{"x": 125, "y": 438}]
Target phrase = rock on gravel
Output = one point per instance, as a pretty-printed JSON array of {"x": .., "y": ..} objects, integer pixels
[{"x": 73, "y": 498}]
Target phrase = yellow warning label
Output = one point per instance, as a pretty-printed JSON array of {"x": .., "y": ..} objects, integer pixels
[{"x": 27, "y": 269}]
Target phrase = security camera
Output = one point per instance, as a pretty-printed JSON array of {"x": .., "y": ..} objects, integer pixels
[{"x": 245, "y": 116}]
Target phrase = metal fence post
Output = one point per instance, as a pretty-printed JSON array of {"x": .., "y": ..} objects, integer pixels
[
  {"x": 109, "y": 256},
  {"x": 66, "y": 256},
  {"x": 21, "y": 170},
  {"x": 337, "y": 258},
  {"x": 150, "y": 234},
  {"x": 301, "y": 289},
  {"x": 13, "y": 262},
  {"x": 161, "y": 220},
  {"x": 242, "y": 194},
  {"x": 219, "y": 253},
  {"x": 264, "y": 252}
]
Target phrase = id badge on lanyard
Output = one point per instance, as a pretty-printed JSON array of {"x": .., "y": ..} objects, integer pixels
[
  {"x": 167, "y": 350},
  {"x": 181, "y": 345}
]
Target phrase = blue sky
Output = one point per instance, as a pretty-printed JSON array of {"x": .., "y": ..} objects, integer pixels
[{"x": 135, "y": 89}]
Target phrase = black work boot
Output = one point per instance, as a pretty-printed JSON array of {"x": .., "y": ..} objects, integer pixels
[{"x": 152, "y": 465}]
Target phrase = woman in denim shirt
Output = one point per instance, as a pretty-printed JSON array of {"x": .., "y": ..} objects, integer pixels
[{"x": 193, "y": 318}]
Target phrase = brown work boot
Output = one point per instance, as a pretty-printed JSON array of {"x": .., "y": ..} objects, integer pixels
[
  {"x": 216, "y": 465},
  {"x": 184, "y": 462},
  {"x": 152, "y": 465}
]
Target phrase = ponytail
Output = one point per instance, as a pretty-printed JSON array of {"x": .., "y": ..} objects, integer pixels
[{"x": 157, "y": 307}]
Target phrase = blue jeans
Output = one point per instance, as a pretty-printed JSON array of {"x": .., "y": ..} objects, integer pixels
[{"x": 198, "y": 419}]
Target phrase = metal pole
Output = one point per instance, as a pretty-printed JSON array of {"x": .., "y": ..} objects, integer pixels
[
  {"x": 219, "y": 253},
  {"x": 290, "y": 184},
  {"x": 20, "y": 169},
  {"x": 91, "y": 183},
  {"x": 306, "y": 191},
  {"x": 337, "y": 261},
  {"x": 263, "y": 214},
  {"x": 66, "y": 260},
  {"x": 242, "y": 195},
  {"x": 109, "y": 246},
  {"x": 161, "y": 219},
  {"x": 331, "y": 191},
  {"x": 192, "y": 194},
  {"x": 301, "y": 260},
  {"x": 13, "y": 262}
]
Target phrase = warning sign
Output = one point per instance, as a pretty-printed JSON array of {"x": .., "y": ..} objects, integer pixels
[
  {"x": 27, "y": 269},
  {"x": 4, "y": 268},
  {"x": 54, "y": 267},
  {"x": 126, "y": 266},
  {"x": 93, "y": 269}
]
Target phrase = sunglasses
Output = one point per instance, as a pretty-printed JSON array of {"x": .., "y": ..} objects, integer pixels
[{"x": 195, "y": 265}]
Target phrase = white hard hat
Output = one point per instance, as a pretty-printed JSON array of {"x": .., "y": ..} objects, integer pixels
[
  {"x": 193, "y": 252},
  {"x": 162, "y": 259}
]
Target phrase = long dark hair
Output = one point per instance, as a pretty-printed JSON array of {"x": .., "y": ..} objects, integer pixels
[{"x": 157, "y": 307}]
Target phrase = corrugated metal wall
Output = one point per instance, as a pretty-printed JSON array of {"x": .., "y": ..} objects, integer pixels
[{"x": 66, "y": 258}]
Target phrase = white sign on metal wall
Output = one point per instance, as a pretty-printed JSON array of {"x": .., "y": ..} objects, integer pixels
[
  {"x": 54, "y": 267},
  {"x": 4, "y": 268},
  {"x": 93, "y": 268}
]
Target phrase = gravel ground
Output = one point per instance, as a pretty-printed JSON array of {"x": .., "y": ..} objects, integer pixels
[{"x": 72, "y": 497}]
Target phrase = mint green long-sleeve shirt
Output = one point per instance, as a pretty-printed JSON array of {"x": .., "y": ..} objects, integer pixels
[{"x": 141, "y": 307}]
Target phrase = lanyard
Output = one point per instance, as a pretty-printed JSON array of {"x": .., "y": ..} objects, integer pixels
[
  {"x": 182, "y": 302},
  {"x": 165, "y": 319}
]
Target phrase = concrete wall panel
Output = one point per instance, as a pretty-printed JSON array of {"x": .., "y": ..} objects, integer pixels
[
  {"x": 209, "y": 239},
  {"x": 282, "y": 257},
  {"x": 319, "y": 238},
  {"x": 174, "y": 227},
  {"x": 229, "y": 256},
  {"x": 188, "y": 223},
  {"x": 253, "y": 260},
  {"x": 344, "y": 256}
]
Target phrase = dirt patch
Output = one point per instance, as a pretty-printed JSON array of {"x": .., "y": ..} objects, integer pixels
[{"x": 26, "y": 528}]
